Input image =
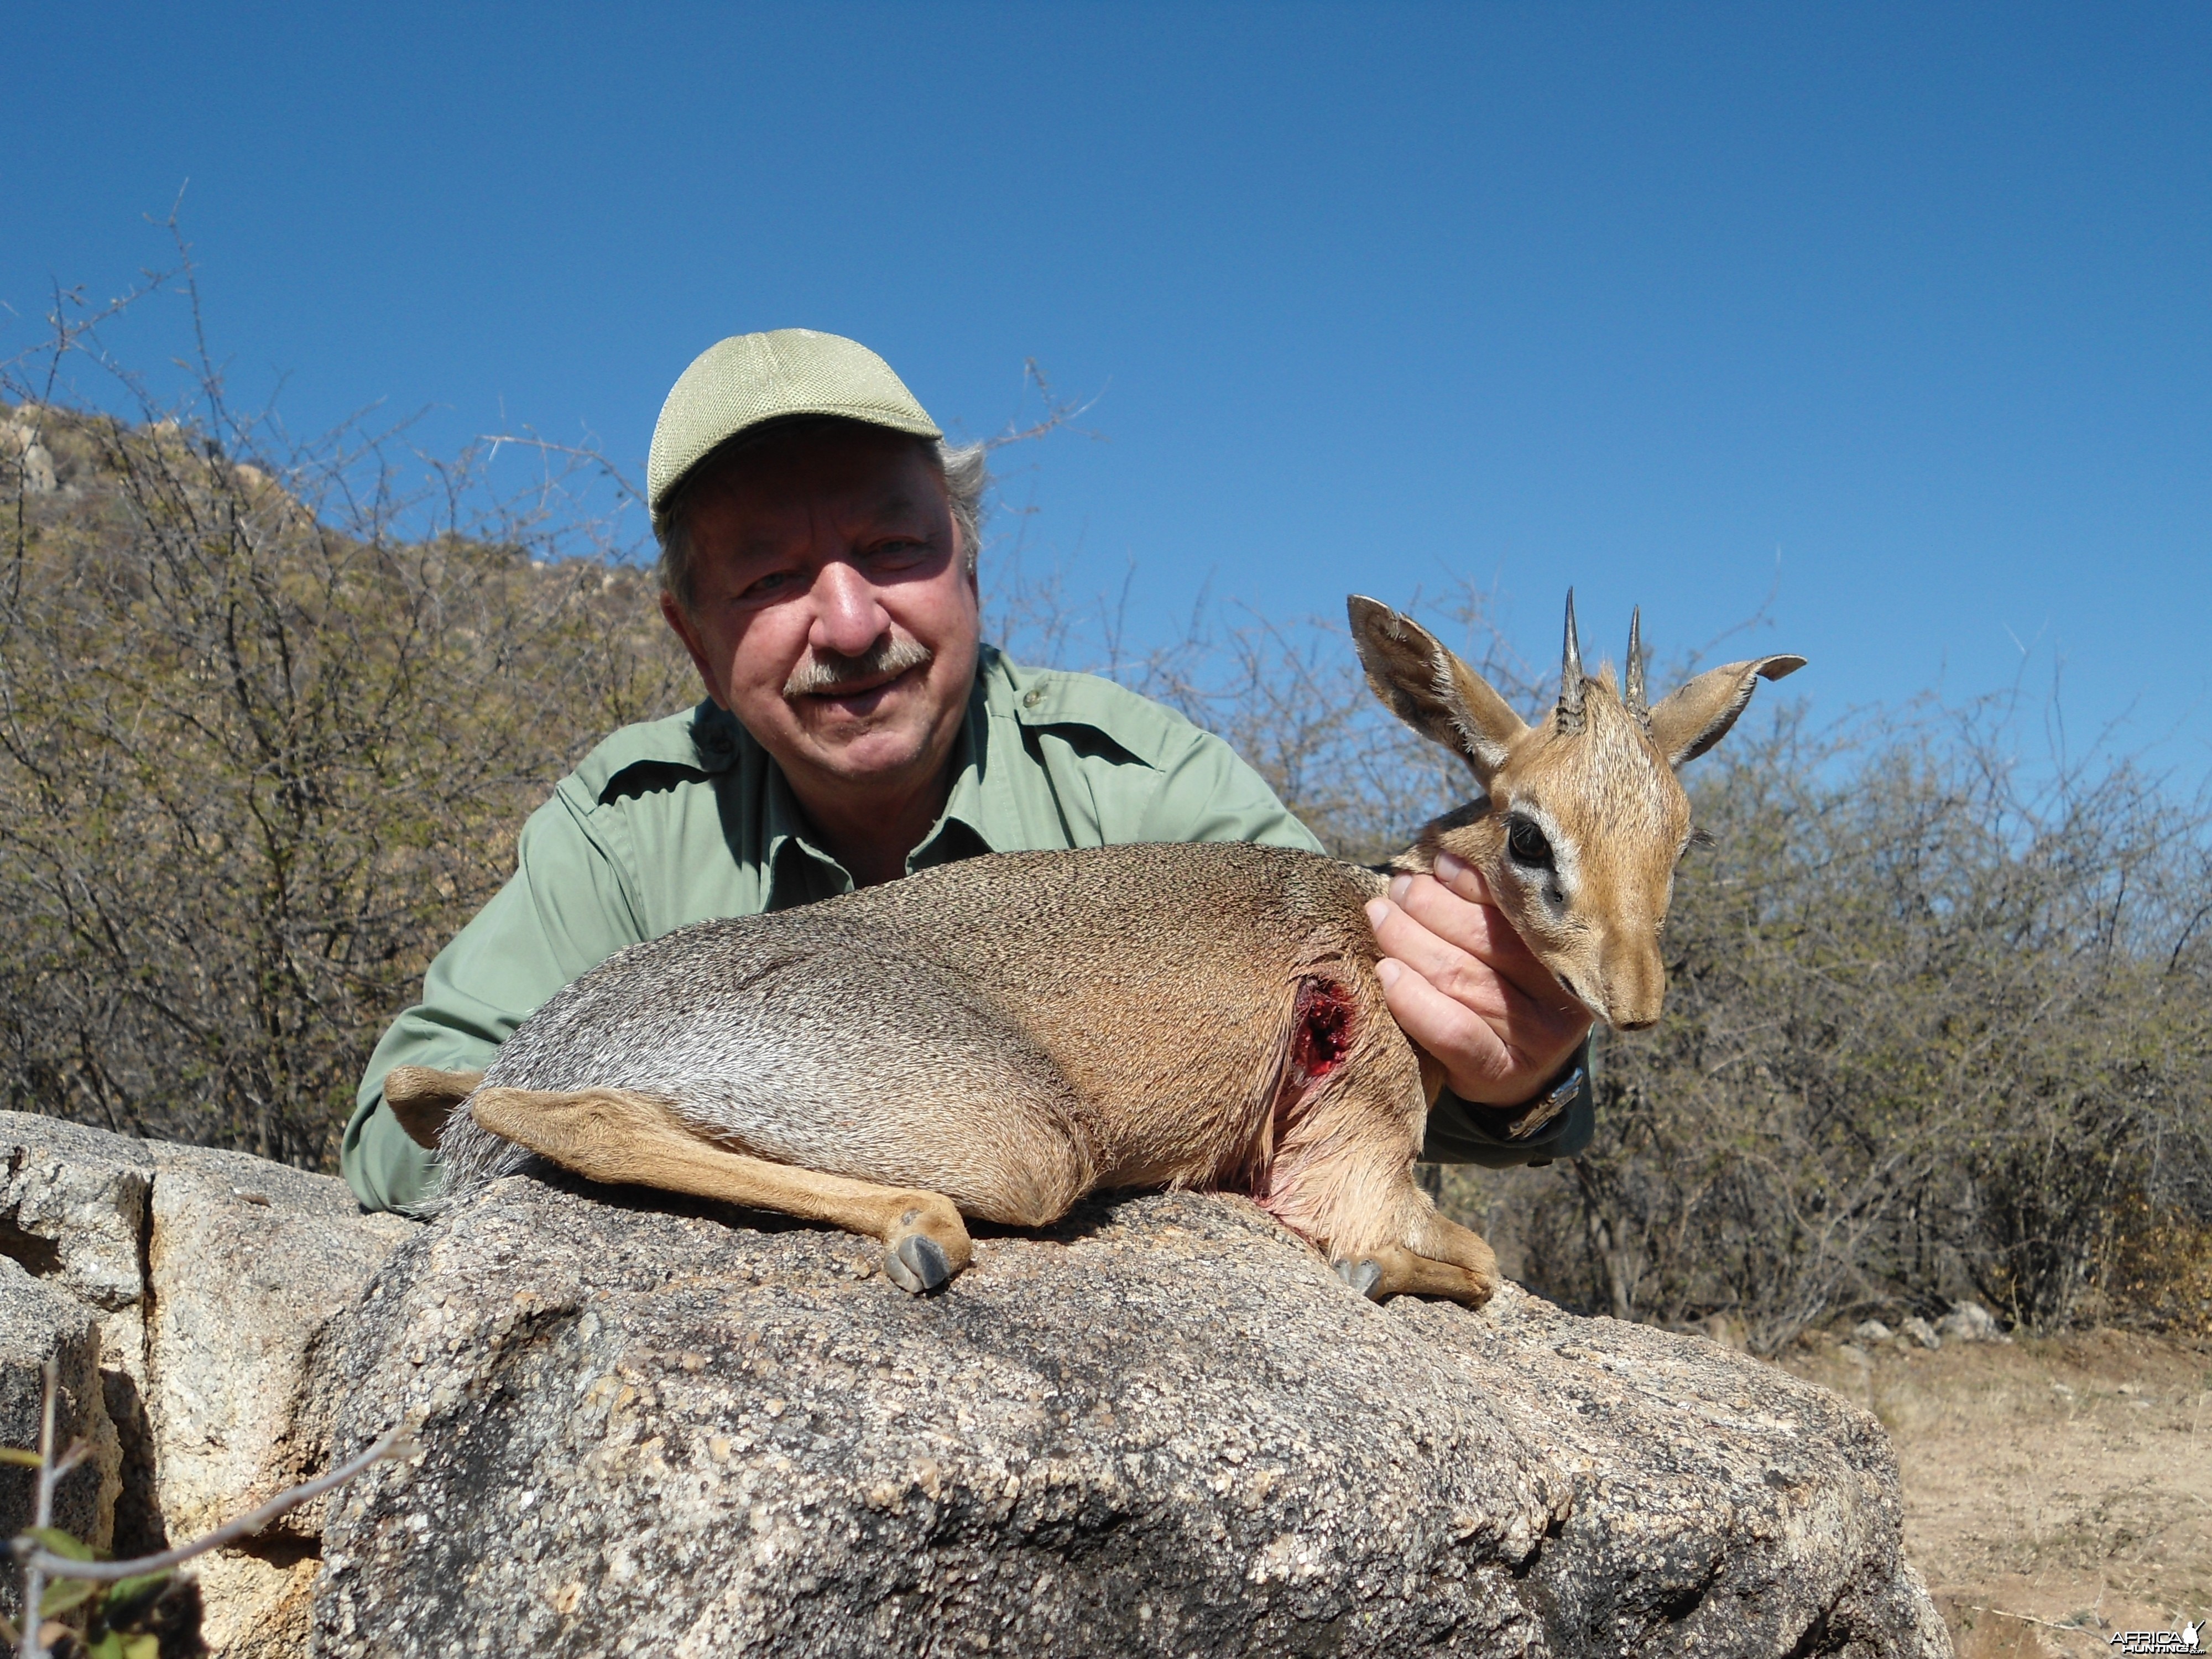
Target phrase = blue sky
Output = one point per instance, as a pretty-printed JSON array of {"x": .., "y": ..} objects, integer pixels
[{"x": 1903, "y": 307}]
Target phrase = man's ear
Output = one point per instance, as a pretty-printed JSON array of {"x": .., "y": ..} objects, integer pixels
[
  {"x": 1698, "y": 715},
  {"x": 1429, "y": 689},
  {"x": 685, "y": 629}
]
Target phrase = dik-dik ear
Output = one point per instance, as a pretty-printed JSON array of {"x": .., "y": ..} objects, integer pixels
[
  {"x": 1698, "y": 715},
  {"x": 1429, "y": 689}
]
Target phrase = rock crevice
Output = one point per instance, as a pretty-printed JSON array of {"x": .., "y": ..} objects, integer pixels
[{"x": 183, "y": 1288}]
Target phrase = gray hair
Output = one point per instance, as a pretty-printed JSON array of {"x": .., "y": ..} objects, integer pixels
[{"x": 965, "y": 469}]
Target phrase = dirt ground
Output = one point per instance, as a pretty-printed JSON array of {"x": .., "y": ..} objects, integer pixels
[{"x": 2056, "y": 1490}]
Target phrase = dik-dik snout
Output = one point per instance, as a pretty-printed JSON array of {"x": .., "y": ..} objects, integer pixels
[{"x": 1580, "y": 820}]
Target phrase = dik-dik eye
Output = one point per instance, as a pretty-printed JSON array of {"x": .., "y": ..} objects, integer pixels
[{"x": 1525, "y": 842}]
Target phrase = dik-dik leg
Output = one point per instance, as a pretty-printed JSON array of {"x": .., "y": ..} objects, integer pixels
[
  {"x": 619, "y": 1136},
  {"x": 1451, "y": 1262},
  {"x": 422, "y": 1099},
  {"x": 1345, "y": 1175}
]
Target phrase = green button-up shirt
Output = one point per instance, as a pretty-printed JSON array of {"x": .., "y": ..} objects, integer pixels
[{"x": 683, "y": 819}]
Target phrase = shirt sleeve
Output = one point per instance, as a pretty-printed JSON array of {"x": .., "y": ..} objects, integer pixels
[
  {"x": 563, "y": 912},
  {"x": 1462, "y": 1133},
  {"x": 1208, "y": 794}
]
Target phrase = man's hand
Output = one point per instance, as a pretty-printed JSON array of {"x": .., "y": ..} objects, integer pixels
[{"x": 1462, "y": 984}]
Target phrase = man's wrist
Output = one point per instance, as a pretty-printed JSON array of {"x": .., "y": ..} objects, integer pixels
[
  {"x": 1523, "y": 1119},
  {"x": 1461, "y": 1132},
  {"x": 1551, "y": 1100}
]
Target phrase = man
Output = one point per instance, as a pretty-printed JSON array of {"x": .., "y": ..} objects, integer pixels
[{"x": 818, "y": 546}]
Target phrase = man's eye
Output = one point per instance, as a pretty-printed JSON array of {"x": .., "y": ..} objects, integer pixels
[
  {"x": 899, "y": 552},
  {"x": 1525, "y": 842},
  {"x": 762, "y": 587}
]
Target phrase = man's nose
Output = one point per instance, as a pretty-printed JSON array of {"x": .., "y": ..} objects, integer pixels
[{"x": 849, "y": 617}]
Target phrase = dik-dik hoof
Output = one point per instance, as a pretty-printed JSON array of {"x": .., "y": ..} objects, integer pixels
[
  {"x": 1363, "y": 1275},
  {"x": 1393, "y": 1270},
  {"x": 924, "y": 1243},
  {"x": 916, "y": 1264}
]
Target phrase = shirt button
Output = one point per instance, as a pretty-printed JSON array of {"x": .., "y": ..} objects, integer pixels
[{"x": 1031, "y": 699}]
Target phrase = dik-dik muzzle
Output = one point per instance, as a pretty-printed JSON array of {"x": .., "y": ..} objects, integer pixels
[{"x": 1580, "y": 819}]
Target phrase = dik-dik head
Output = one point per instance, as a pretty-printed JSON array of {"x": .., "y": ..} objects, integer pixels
[{"x": 1581, "y": 820}]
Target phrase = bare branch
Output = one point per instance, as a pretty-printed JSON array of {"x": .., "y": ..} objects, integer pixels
[{"x": 245, "y": 1526}]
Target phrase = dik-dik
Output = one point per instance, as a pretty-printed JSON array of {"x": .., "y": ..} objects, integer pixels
[{"x": 998, "y": 1037}]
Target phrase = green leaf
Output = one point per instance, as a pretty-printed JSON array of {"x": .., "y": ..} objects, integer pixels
[
  {"x": 66, "y": 1593},
  {"x": 55, "y": 1541},
  {"x": 125, "y": 1590},
  {"x": 109, "y": 1646},
  {"x": 142, "y": 1647},
  {"x": 18, "y": 1456}
]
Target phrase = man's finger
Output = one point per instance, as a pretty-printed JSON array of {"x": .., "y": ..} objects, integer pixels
[
  {"x": 1480, "y": 929},
  {"x": 1540, "y": 1024},
  {"x": 1444, "y": 1027},
  {"x": 1492, "y": 1061},
  {"x": 1463, "y": 878},
  {"x": 1458, "y": 974}
]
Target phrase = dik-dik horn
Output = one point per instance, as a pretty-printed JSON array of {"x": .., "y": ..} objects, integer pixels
[
  {"x": 997, "y": 1037},
  {"x": 1581, "y": 820}
]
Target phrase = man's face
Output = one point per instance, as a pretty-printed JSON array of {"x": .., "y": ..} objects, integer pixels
[{"x": 832, "y": 609}]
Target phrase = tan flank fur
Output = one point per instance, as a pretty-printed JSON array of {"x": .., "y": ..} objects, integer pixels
[{"x": 998, "y": 1037}]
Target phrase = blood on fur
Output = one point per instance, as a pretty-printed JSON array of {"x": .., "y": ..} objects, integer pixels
[{"x": 1321, "y": 1031}]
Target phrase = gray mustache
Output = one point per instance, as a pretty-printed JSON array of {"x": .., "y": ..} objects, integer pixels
[{"x": 827, "y": 673}]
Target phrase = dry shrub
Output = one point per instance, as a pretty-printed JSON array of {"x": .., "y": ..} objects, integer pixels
[
  {"x": 2159, "y": 1273},
  {"x": 268, "y": 727}
]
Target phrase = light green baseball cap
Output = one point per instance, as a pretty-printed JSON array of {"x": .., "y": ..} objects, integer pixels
[{"x": 750, "y": 380}]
